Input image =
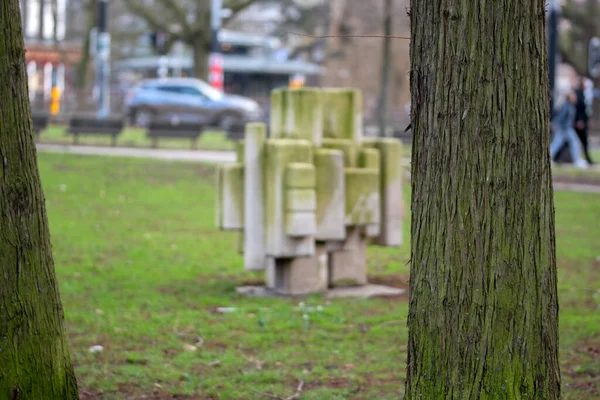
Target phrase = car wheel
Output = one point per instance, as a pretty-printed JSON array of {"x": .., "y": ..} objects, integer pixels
[
  {"x": 143, "y": 117},
  {"x": 227, "y": 122}
]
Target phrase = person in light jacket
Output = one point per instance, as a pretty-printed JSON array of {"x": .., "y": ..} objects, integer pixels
[{"x": 562, "y": 124}]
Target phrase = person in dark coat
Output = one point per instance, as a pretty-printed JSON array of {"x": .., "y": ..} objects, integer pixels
[{"x": 582, "y": 119}]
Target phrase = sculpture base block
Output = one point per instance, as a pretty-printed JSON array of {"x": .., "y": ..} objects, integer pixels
[{"x": 364, "y": 291}]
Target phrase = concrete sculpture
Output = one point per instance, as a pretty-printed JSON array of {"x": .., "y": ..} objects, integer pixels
[{"x": 310, "y": 198}]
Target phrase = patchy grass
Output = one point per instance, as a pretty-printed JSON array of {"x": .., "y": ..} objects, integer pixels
[
  {"x": 133, "y": 137},
  {"x": 143, "y": 273}
]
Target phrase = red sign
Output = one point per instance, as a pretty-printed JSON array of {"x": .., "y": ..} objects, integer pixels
[{"x": 216, "y": 74}]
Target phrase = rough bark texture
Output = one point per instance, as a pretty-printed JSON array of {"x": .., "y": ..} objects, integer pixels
[
  {"x": 34, "y": 359},
  {"x": 483, "y": 314}
]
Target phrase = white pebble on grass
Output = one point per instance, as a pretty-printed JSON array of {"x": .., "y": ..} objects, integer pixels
[
  {"x": 96, "y": 349},
  {"x": 224, "y": 310}
]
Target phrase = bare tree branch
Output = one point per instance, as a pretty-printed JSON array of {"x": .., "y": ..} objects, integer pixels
[
  {"x": 152, "y": 19},
  {"x": 179, "y": 13}
]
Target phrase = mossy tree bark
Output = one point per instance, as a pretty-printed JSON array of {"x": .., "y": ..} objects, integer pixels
[
  {"x": 483, "y": 316},
  {"x": 34, "y": 359}
]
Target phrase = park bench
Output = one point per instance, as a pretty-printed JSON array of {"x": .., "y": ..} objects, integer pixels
[
  {"x": 174, "y": 130},
  {"x": 40, "y": 122},
  {"x": 91, "y": 125}
]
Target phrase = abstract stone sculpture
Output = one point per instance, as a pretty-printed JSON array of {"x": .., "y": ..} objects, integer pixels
[{"x": 310, "y": 198}]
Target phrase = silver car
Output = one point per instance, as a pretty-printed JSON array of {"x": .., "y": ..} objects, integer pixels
[{"x": 188, "y": 100}]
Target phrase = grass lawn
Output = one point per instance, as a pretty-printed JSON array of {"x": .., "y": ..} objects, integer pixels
[
  {"x": 132, "y": 137},
  {"x": 143, "y": 272}
]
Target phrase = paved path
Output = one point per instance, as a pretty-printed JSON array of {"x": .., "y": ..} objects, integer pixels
[
  {"x": 576, "y": 187},
  {"x": 214, "y": 157},
  {"x": 162, "y": 154}
]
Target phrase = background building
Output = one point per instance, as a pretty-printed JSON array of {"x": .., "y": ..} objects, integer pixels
[{"x": 50, "y": 57}]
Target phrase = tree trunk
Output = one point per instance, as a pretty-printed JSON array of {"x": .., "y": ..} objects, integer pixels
[
  {"x": 34, "y": 358},
  {"x": 201, "y": 56},
  {"x": 42, "y": 11},
  {"x": 54, "y": 7},
  {"x": 84, "y": 63},
  {"x": 385, "y": 68},
  {"x": 483, "y": 319}
]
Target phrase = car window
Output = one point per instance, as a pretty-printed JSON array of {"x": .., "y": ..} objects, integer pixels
[
  {"x": 169, "y": 89},
  {"x": 187, "y": 90},
  {"x": 191, "y": 90},
  {"x": 209, "y": 91}
]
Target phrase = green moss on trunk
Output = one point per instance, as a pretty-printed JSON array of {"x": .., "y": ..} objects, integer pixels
[
  {"x": 483, "y": 316},
  {"x": 34, "y": 359}
]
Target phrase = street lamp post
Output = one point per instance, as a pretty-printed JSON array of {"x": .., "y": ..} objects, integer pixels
[
  {"x": 553, "y": 41},
  {"x": 103, "y": 60},
  {"x": 215, "y": 24}
]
